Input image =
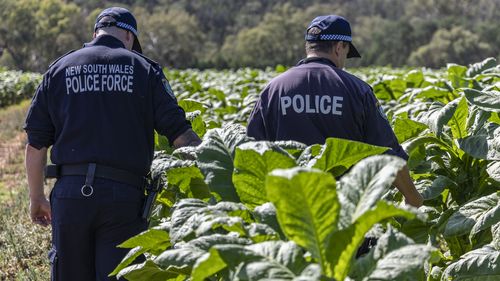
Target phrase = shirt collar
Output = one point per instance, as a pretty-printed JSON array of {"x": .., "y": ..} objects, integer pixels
[
  {"x": 316, "y": 59},
  {"x": 105, "y": 40}
]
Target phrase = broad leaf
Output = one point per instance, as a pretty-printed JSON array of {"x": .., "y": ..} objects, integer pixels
[
  {"x": 435, "y": 188},
  {"x": 456, "y": 74},
  {"x": 458, "y": 122},
  {"x": 485, "y": 146},
  {"x": 154, "y": 240},
  {"x": 388, "y": 242},
  {"x": 361, "y": 188},
  {"x": 273, "y": 260},
  {"x": 338, "y": 155},
  {"x": 343, "y": 244},
  {"x": 480, "y": 67},
  {"x": 307, "y": 206},
  {"x": 190, "y": 105},
  {"x": 206, "y": 242},
  {"x": 266, "y": 214},
  {"x": 252, "y": 162},
  {"x": 438, "y": 115},
  {"x": 482, "y": 264},
  {"x": 406, "y": 129},
  {"x": 486, "y": 100},
  {"x": 128, "y": 259},
  {"x": 295, "y": 148},
  {"x": 494, "y": 170},
  {"x": 179, "y": 260},
  {"x": 405, "y": 263},
  {"x": 475, "y": 212},
  {"x": 147, "y": 270},
  {"x": 181, "y": 212},
  {"x": 495, "y": 233},
  {"x": 429, "y": 92},
  {"x": 215, "y": 159},
  {"x": 476, "y": 120},
  {"x": 190, "y": 181}
]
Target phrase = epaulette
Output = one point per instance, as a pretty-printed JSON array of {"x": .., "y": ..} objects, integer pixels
[
  {"x": 59, "y": 58},
  {"x": 152, "y": 62}
]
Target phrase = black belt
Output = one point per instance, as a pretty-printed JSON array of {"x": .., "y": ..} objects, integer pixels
[{"x": 101, "y": 171}]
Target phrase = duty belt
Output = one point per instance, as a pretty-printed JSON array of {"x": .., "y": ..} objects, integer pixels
[{"x": 97, "y": 170}]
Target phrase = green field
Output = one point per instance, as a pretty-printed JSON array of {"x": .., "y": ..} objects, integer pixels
[{"x": 233, "y": 208}]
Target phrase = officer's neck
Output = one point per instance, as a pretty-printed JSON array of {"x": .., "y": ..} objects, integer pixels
[{"x": 329, "y": 56}]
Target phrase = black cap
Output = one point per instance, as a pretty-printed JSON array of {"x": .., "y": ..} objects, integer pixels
[
  {"x": 332, "y": 28},
  {"x": 124, "y": 19}
]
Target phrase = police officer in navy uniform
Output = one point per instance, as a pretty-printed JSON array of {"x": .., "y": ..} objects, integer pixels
[
  {"x": 98, "y": 108},
  {"x": 317, "y": 99}
]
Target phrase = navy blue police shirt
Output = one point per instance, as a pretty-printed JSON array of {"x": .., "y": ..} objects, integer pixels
[
  {"x": 316, "y": 100},
  {"x": 101, "y": 104}
]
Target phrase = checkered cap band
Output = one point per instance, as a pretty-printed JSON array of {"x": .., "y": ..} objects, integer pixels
[
  {"x": 127, "y": 27},
  {"x": 336, "y": 37}
]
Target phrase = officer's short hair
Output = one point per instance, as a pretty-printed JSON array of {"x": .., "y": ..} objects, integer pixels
[{"x": 320, "y": 46}]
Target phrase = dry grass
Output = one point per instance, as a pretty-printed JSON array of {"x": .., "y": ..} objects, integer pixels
[{"x": 23, "y": 245}]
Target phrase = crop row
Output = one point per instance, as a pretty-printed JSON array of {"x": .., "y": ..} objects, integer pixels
[
  {"x": 233, "y": 208},
  {"x": 16, "y": 86}
]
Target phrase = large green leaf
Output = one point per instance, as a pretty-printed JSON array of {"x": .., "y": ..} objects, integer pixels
[
  {"x": 295, "y": 148},
  {"x": 429, "y": 92},
  {"x": 495, "y": 234},
  {"x": 476, "y": 214},
  {"x": 215, "y": 159},
  {"x": 147, "y": 270},
  {"x": 361, "y": 188},
  {"x": 481, "y": 66},
  {"x": 486, "y": 100},
  {"x": 482, "y": 264},
  {"x": 190, "y": 181},
  {"x": 190, "y": 105},
  {"x": 154, "y": 240},
  {"x": 267, "y": 260},
  {"x": 343, "y": 244},
  {"x": 494, "y": 170},
  {"x": 431, "y": 190},
  {"x": 206, "y": 242},
  {"x": 438, "y": 115},
  {"x": 266, "y": 214},
  {"x": 390, "y": 241},
  {"x": 458, "y": 122},
  {"x": 182, "y": 211},
  {"x": 395, "y": 257},
  {"x": 406, "y": 263},
  {"x": 179, "y": 260},
  {"x": 406, "y": 129},
  {"x": 476, "y": 120},
  {"x": 338, "y": 155},
  {"x": 252, "y": 162},
  {"x": 485, "y": 146},
  {"x": 456, "y": 74},
  {"x": 307, "y": 206}
]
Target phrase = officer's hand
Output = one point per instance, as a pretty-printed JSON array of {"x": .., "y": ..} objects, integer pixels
[{"x": 40, "y": 211}]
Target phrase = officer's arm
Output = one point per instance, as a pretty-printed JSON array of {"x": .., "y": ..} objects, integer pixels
[
  {"x": 379, "y": 132},
  {"x": 188, "y": 138},
  {"x": 35, "y": 162},
  {"x": 405, "y": 185}
]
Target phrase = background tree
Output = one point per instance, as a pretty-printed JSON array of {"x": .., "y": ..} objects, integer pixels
[
  {"x": 257, "y": 33},
  {"x": 454, "y": 45}
]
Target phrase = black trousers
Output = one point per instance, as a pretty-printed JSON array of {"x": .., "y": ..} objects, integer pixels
[{"x": 87, "y": 229}]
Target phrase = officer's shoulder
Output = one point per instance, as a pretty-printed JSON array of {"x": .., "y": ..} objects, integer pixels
[
  {"x": 355, "y": 80},
  {"x": 148, "y": 60},
  {"x": 61, "y": 57}
]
